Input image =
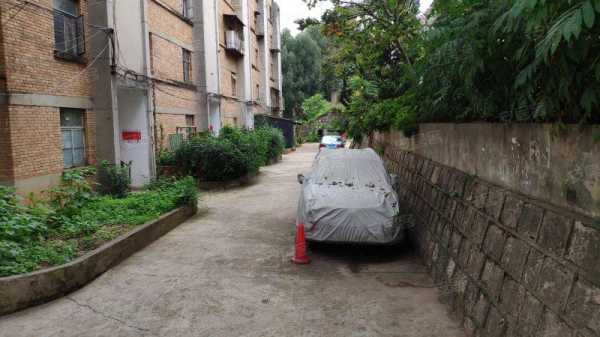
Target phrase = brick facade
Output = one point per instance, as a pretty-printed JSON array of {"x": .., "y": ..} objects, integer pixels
[
  {"x": 174, "y": 98},
  {"x": 36, "y": 81},
  {"x": 32, "y": 75},
  {"x": 167, "y": 125}
]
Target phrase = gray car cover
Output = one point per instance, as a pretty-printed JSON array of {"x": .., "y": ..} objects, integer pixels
[{"x": 348, "y": 197}]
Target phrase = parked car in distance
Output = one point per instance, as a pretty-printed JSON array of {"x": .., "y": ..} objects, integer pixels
[
  {"x": 332, "y": 142},
  {"x": 348, "y": 197}
]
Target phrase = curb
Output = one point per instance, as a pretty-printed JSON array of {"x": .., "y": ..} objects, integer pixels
[{"x": 22, "y": 291}]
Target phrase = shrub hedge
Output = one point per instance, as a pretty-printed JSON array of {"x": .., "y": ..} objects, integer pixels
[{"x": 231, "y": 155}]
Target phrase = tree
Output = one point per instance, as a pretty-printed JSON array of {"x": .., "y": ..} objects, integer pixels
[
  {"x": 307, "y": 22},
  {"x": 302, "y": 58},
  {"x": 315, "y": 107},
  {"x": 491, "y": 60}
]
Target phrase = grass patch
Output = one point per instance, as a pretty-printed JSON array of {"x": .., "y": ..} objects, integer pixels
[{"x": 75, "y": 220}]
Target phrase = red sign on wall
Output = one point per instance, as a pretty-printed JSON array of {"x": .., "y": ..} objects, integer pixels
[{"x": 132, "y": 136}]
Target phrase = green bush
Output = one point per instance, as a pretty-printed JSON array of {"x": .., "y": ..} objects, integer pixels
[
  {"x": 232, "y": 155},
  {"x": 211, "y": 159},
  {"x": 253, "y": 147},
  {"x": 166, "y": 158},
  {"x": 274, "y": 140},
  {"x": 114, "y": 179}
]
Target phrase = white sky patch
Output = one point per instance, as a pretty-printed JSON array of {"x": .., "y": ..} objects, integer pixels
[
  {"x": 292, "y": 10},
  {"x": 425, "y": 4}
]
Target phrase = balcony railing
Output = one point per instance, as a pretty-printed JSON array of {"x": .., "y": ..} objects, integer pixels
[
  {"x": 234, "y": 43},
  {"x": 275, "y": 41},
  {"x": 69, "y": 40}
]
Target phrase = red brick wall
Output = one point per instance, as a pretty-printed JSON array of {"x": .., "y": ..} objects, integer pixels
[
  {"x": 6, "y": 172},
  {"x": 167, "y": 124},
  {"x": 30, "y": 136},
  {"x": 28, "y": 39},
  {"x": 36, "y": 141}
]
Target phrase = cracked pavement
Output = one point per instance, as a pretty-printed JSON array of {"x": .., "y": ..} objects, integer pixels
[{"x": 226, "y": 272}]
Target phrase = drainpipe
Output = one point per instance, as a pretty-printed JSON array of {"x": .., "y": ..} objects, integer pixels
[
  {"x": 199, "y": 64},
  {"x": 151, "y": 112},
  {"x": 218, "y": 59}
]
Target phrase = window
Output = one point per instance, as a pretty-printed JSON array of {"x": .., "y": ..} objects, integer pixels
[
  {"x": 233, "y": 85},
  {"x": 187, "y": 65},
  {"x": 189, "y": 120},
  {"x": 73, "y": 137},
  {"x": 188, "y": 9},
  {"x": 68, "y": 29}
]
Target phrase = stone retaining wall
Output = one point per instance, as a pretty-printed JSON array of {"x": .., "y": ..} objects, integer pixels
[
  {"x": 509, "y": 266},
  {"x": 22, "y": 291}
]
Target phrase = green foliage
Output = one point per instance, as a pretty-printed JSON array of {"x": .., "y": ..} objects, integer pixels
[
  {"x": 250, "y": 144},
  {"x": 304, "y": 71},
  {"x": 315, "y": 107},
  {"x": 74, "y": 191},
  {"x": 17, "y": 222},
  {"x": 166, "y": 158},
  {"x": 211, "y": 159},
  {"x": 36, "y": 236},
  {"x": 114, "y": 180},
  {"x": 232, "y": 155},
  {"x": 274, "y": 140},
  {"x": 473, "y": 60}
]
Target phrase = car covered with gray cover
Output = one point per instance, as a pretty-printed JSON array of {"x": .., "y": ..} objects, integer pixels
[{"x": 348, "y": 197}]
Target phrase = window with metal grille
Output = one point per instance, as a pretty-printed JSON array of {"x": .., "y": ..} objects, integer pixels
[
  {"x": 188, "y": 9},
  {"x": 72, "y": 128},
  {"x": 69, "y": 37},
  {"x": 187, "y": 65}
]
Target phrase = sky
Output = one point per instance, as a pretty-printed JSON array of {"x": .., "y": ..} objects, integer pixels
[{"x": 292, "y": 10}]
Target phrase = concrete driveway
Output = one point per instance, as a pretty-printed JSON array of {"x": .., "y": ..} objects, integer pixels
[{"x": 227, "y": 273}]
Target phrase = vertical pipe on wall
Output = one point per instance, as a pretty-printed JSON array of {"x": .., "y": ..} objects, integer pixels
[
  {"x": 150, "y": 99},
  {"x": 199, "y": 64}
]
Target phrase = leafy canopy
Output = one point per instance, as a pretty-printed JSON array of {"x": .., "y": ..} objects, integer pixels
[{"x": 469, "y": 60}]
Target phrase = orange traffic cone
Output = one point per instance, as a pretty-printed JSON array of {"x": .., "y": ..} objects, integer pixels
[{"x": 300, "y": 257}]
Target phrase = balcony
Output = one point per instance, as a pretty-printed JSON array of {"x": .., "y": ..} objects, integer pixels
[
  {"x": 275, "y": 42},
  {"x": 234, "y": 42},
  {"x": 260, "y": 25},
  {"x": 235, "y": 19}
]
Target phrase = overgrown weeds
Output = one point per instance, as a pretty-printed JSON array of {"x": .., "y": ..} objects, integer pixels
[{"x": 74, "y": 219}]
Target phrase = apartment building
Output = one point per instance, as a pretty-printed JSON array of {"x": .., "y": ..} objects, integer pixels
[
  {"x": 47, "y": 120},
  {"x": 82, "y": 81}
]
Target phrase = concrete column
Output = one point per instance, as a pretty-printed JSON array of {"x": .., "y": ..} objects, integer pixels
[
  {"x": 201, "y": 8},
  {"x": 104, "y": 87},
  {"x": 206, "y": 63}
]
